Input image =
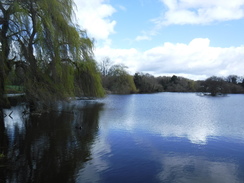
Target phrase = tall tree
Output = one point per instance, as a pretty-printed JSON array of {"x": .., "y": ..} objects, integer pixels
[
  {"x": 6, "y": 11},
  {"x": 119, "y": 81},
  {"x": 147, "y": 83},
  {"x": 214, "y": 85},
  {"x": 48, "y": 46},
  {"x": 104, "y": 66}
]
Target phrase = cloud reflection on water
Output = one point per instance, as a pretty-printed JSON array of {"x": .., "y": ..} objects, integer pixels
[
  {"x": 169, "y": 135},
  {"x": 143, "y": 132},
  {"x": 179, "y": 115},
  {"x": 91, "y": 171},
  {"x": 184, "y": 168}
]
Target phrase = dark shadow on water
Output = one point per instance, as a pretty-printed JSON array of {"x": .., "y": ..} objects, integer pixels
[
  {"x": 3, "y": 147},
  {"x": 49, "y": 147}
]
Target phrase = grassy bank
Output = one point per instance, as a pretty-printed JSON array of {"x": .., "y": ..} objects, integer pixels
[{"x": 14, "y": 89}]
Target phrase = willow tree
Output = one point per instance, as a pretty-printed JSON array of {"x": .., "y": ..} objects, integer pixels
[
  {"x": 119, "y": 81},
  {"x": 51, "y": 50},
  {"x": 6, "y": 11}
]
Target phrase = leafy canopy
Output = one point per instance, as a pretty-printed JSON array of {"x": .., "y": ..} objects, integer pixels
[{"x": 40, "y": 38}]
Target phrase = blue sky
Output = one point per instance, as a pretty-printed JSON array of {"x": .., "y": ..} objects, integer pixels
[{"x": 190, "y": 38}]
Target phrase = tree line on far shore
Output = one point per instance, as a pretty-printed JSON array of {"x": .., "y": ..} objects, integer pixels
[{"x": 116, "y": 79}]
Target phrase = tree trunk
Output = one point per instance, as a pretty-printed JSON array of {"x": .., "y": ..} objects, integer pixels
[
  {"x": 2, "y": 101},
  {"x": 4, "y": 65}
]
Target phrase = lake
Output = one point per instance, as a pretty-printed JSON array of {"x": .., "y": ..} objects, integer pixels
[{"x": 163, "y": 137}]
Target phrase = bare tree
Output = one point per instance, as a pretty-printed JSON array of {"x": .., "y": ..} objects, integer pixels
[{"x": 104, "y": 66}]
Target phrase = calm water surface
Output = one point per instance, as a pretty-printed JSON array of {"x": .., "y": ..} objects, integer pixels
[{"x": 166, "y": 137}]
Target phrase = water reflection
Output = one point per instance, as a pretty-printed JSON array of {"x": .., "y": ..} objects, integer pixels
[
  {"x": 145, "y": 158},
  {"x": 196, "y": 169},
  {"x": 127, "y": 138},
  {"x": 168, "y": 138},
  {"x": 48, "y": 148},
  {"x": 180, "y": 115}
]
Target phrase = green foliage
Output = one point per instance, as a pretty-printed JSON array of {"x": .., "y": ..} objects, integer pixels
[
  {"x": 174, "y": 79},
  {"x": 49, "y": 51},
  {"x": 177, "y": 84},
  {"x": 122, "y": 84},
  {"x": 42, "y": 88},
  {"x": 14, "y": 89},
  {"x": 131, "y": 84},
  {"x": 117, "y": 80},
  {"x": 147, "y": 83},
  {"x": 88, "y": 80},
  {"x": 216, "y": 85}
]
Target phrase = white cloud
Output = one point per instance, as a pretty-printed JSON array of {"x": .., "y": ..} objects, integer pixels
[
  {"x": 128, "y": 57},
  {"x": 200, "y": 11},
  {"x": 122, "y": 8},
  {"x": 196, "y": 60},
  {"x": 140, "y": 38},
  {"x": 94, "y": 16}
]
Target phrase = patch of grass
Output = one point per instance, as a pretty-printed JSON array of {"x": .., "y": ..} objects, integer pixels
[{"x": 14, "y": 89}]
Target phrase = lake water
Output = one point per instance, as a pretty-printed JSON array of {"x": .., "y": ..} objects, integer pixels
[{"x": 164, "y": 137}]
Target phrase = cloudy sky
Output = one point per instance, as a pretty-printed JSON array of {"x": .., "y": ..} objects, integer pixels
[{"x": 191, "y": 38}]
